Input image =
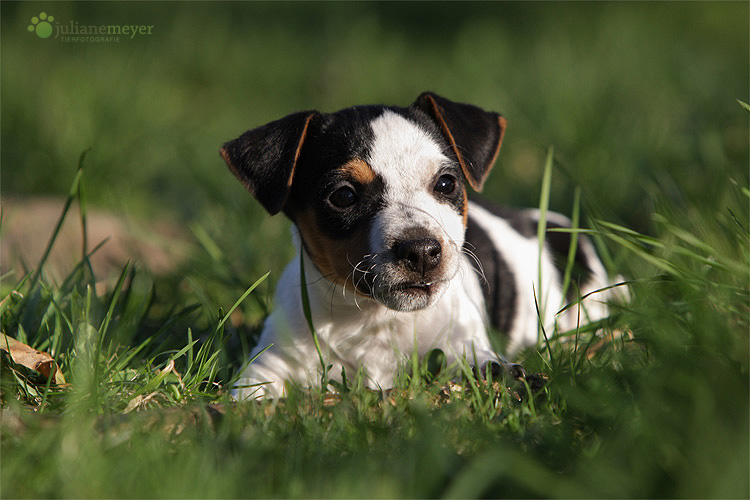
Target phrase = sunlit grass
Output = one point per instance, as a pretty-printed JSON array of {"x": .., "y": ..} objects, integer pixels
[{"x": 656, "y": 401}]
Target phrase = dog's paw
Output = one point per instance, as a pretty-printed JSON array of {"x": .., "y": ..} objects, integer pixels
[
  {"x": 499, "y": 371},
  {"x": 512, "y": 372}
]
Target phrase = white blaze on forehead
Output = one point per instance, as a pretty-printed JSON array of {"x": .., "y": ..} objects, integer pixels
[
  {"x": 408, "y": 159},
  {"x": 403, "y": 154}
]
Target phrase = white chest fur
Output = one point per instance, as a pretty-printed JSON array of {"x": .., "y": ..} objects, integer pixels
[{"x": 356, "y": 331}]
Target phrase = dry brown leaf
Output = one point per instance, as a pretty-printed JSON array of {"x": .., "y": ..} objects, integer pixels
[
  {"x": 141, "y": 402},
  {"x": 609, "y": 340},
  {"x": 29, "y": 357}
]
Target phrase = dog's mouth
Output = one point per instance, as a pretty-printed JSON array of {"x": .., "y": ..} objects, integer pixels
[
  {"x": 409, "y": 296},
  {"x": 420, "y": 287}
]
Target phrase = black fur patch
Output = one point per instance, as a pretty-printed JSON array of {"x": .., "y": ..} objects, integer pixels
[
  {"x": 500, "y": 289},
  {"x": 264, "y": 158}
]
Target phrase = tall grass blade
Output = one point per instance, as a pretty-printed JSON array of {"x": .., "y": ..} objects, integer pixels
[
  {"x": 308, "y": 317},
  {"x": 573, "y": 248},
  {"x": 72, "y": 193},
  {"x": 82, "y": 209},
  {"x": 104, "y": 326},
  {"x": 541, "y": 229},
  {"x": 542, "y": 329},
  {"x": 239, "y": 301}
]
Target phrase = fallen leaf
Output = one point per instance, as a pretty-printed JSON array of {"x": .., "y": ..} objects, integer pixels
[
  {"x": 29, "y": 357},
  {"x": 140, "y": 402}
]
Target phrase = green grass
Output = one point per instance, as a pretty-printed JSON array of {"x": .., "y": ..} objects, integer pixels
[
  {"x": 663, "y": 414},
  {"x": 651, "y": 155}
]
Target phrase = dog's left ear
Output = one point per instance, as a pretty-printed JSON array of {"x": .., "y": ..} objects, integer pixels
[
  {"x": 474, "y": 134},
  {"x": 264, "y": 158}
]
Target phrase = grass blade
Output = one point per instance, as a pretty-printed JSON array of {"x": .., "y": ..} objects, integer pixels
[
  {"x": 239, "y": 301},
  {"x": 308, "y": 317},
  {"x": 541, "y": 230},
  {"x": 573, "y": 248},
  {"x": 58, "y": 226}
]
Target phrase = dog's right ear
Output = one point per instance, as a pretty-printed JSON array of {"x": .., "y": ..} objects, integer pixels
[
  {"x": 474, "y": 134},
  {"x": 264, "y": 158}
]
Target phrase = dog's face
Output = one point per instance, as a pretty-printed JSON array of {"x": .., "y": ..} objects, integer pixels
[
  {"x": 386, "y": 217},
  {"x": 376, "y": 192}
]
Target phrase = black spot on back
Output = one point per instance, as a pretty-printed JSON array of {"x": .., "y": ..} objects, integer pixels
[
  {"x": 557, "y": 243},
  {"x": 499, "y": 289}
]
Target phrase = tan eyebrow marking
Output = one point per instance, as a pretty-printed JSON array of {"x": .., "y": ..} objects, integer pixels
[{"x": 359, "y": 171}]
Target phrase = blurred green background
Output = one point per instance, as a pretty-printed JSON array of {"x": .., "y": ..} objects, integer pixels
[{"x": 638, "y": 99}]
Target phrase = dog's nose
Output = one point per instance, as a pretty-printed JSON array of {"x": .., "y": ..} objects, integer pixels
[{"x": 420, "y": 255}]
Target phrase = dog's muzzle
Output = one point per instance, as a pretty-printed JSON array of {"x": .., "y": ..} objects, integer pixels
[{"x": 407, "y": 277}]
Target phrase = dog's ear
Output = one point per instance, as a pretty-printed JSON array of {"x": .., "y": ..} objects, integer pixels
[
  {"x": 264, "y": 158},
  {"x": 474, "y": 134}
]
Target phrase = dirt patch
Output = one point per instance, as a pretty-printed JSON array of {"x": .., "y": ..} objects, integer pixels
[{"x": 28, "y": 224}]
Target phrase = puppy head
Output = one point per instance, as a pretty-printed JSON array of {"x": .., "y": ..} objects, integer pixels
[{"x": 376, "y": 192}]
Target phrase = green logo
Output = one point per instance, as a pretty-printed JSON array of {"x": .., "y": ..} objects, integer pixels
[{"x": 41, "y": 25}]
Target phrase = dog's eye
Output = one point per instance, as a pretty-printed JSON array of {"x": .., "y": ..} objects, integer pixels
[
  {"x": 343, "y": 197},
  {"x": 445, "y": 185}
]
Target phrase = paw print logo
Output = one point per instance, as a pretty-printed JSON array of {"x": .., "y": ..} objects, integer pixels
[{"x": 41, "y": 25}]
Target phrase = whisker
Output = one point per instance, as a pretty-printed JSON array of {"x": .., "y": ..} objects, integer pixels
[
  {"x": 322, "y": 277},
  {"x": 476, "y": 264}
]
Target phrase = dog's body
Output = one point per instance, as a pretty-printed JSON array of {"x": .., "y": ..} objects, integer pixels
[{"x": 392, "y": 246}]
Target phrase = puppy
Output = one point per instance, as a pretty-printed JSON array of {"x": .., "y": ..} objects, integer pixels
[{"x": 396, "y": 258}]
